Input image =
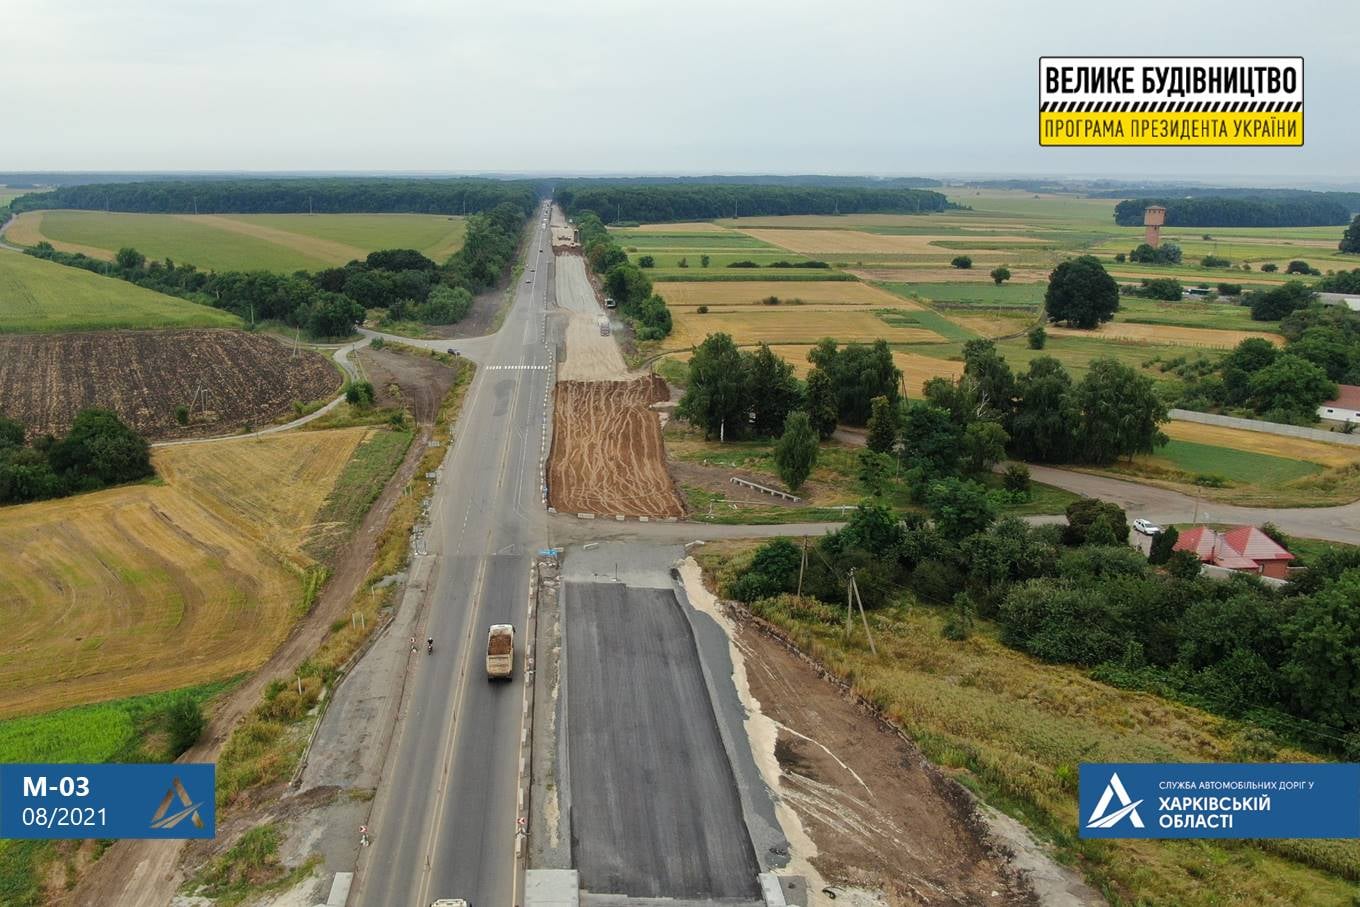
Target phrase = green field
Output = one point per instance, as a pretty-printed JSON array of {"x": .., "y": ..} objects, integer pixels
[
  {"x": 989, "y": 295},
  {"x": 272, "y": 242},
  {"x": 38, "y": 296},
  {"x": 1221, "y": 315},
  {"x": 122, "y": 730},
  {"x": 1241, "y": 466}
]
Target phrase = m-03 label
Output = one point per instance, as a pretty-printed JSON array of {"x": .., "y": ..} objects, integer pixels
[{"x": 107, "y": 801}]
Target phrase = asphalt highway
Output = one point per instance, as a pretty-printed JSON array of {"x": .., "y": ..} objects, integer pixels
[{"x": 443, "y": 821}]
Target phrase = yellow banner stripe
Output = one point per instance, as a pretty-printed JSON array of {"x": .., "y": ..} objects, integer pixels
[{"x": 1188, "y": 129}]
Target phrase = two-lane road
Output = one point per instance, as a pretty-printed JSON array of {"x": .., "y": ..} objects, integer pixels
[{"x": 443, "y": 823}]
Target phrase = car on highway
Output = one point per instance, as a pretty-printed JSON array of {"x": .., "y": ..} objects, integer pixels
[
  {"x": 450, "y": 902},
  {"x": 1146, "y": 527}
]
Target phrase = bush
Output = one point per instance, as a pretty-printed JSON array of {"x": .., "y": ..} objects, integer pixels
[
  {"x": 186, "y": 723},
  {"x": 962, "y": 262},
  {"x": 1016, "y": 479},
  {"x": 1298, "y": 267},
  {"x": 646, "y": 261},
  {"x": 1036, "y": 337},
  {"x": 1214, "y": 261},
  {"x": 1270, "y": 267},
  {"x": 1162, "y": 545},
  {"x": 1183, "y": 565},
  {"x": 1230, "y": 289},
  {"x": 1167, "y": 288},
  {"x": 1000, "y": 275},
  {"x": 182, "y": 414},
  {"x": 702, "y": 310},
  {"x": 359, "y": 393},
  {"x": 1165, "y": 254},
  {"x": 1119, "y": 257}
]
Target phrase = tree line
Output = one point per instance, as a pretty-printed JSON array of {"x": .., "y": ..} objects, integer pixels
[
  {"x": 98, "y": 451},
  {"x": 330, "y": 195},
  {"x": 623, "y": 281},
  {"x": 653, "y": 204},
  {"x": 963, "y": 426},
  {"x": 1077, "y": 594},
  {"x": 856, "y": 182},
  {"x": 1313, "y": 210},
  {"x": 328, "y": 303}
]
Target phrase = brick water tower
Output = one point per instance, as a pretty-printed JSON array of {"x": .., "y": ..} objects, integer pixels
[{"x": 1153, "y": 218}]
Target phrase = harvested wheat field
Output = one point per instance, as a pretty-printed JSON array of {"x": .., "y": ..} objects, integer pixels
[
  {"x": 917, "y": 274},
  {"x": 849, "y": 241},
  {"x": 791, "y": 324},
  {"x": 1164, "y": 333},
  {"x": 153, "y": 587},
  {"x": 752, "y": 292},
  {"x": 686, "y": 227},
  {"x": 607, "y": 454},
  {"x": 230, "y": 379},
  {"x": 27, "y": 230},
  {"x": 1331, "y": 455}
]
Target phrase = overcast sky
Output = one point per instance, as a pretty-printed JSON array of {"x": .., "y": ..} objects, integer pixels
[{"x": 688, "y": 86}]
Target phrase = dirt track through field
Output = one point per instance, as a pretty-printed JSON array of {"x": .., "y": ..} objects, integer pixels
[
  {"x": 607, "y": 454},
  {"x": 1134, "y": 332}
]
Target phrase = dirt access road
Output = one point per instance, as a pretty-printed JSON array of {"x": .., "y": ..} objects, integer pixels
[{"x": 146, "y": 873}]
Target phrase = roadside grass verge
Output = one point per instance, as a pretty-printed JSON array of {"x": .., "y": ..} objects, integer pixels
[
  {"x": 1014, "y": 730},
  {"x": 250, "y": 868},
  {"x": 356, "y": 489},
  {"x": 267, "y": 746}
]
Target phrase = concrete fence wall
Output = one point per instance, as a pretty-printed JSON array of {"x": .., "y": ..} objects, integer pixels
[{"x": 1270, "y": 428}]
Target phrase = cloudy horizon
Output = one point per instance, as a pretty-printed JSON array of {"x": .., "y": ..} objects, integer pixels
[{"x": 863, "y": 87}]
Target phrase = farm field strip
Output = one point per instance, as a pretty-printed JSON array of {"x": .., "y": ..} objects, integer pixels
[
  {"x": 40, "y": 296},
  {"x": 607, "y": 453},
  {"x": 778, "y": 324},
  {"x": 228, "y": 379},
  {"x": 811, "y": 242},
  {"x": 1135, "y": 332},
  {"x": 748, "y": 293},
  {"x": 157, "y": 587},
  {"x": 1242, "y": 466},
  {"x": 1329, "y": 455},
  {"x": 278, "y": 242}
]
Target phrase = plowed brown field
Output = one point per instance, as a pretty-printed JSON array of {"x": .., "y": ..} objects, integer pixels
[
  {"x": 249, "y": 379},
  {"x": 607, "y": 454}
]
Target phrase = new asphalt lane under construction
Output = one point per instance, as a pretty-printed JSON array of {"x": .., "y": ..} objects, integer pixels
[{"x": 662, "y": 802}]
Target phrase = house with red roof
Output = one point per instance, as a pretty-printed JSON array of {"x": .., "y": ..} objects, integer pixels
[
  {"x": 1346, "y": 406},
  {"x": 1244, "y": 548}
]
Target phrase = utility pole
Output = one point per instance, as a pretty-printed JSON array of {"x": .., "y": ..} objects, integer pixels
[
  {"x": 801, "y": 567},
  {"x": 849, "y": 602},
  {"x": 863, "y": 619}
]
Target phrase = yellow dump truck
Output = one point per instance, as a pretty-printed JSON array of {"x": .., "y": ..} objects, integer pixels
[{"x": 500, "y": 652}]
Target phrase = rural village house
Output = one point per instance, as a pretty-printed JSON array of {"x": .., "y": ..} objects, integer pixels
[{"x": 1244, "y": 548}]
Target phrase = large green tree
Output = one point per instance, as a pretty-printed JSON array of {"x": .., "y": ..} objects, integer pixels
[
  {"x": 1291, "y": 388},
  {"x": 1277, "y": 302},
  {"x": 1081, "y": 293},
  {"x": 959, "y": 507},
  {"x": 821, "y": 403},
  {"x": 716, "y": 397},
  {"x": 1044, "y": 424},
  {"x": 796, "y": 452},
  {"x": 773, "y": 391},
  {"x": 1120, "y": 413},
  {"x": 1350, "y": 240},
  {"x": 859, "y": 373},
  {"x": 883, "y": 426}
]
